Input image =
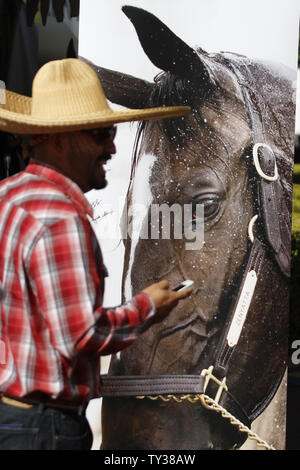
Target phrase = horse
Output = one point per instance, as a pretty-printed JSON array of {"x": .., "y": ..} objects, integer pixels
[{"x": 224, "y": 347}]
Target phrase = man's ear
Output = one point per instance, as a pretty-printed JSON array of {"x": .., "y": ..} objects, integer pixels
[{"x": 58, "y": 144}]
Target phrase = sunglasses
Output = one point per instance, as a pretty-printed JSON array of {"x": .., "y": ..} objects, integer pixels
[{"x": 102, "y": 133}]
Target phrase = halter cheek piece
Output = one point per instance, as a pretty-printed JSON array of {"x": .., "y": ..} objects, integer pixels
[{"x": 273, "y": 241}]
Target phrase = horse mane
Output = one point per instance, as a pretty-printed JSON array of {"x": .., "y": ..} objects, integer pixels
[{"x": 171, "y": 90}]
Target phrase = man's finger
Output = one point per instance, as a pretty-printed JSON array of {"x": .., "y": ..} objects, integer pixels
[
  {"x": 164, "y": 284},
  {"x": 184, "y": 293}
]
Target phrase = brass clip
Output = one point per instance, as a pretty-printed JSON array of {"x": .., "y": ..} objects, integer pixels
[{"x": 209, "y": 376}]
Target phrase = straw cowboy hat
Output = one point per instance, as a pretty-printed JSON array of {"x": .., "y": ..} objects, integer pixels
[{"x": 67, "y": 96}]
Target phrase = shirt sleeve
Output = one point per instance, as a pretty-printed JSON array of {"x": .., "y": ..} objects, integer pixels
[{"x": 68, "y": 289}]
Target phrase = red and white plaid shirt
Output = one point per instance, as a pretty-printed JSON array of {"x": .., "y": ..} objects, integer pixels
[{"x": 53, "y": 328}]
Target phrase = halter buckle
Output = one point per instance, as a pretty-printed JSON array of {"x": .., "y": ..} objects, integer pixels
[
  {"x": 207, "y": 373},
  {"x": 257, "y": 163},
  {"x": 250, "y": 228}
]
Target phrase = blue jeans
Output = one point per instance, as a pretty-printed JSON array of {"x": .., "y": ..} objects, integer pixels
[{"x": 43, "y": 428}]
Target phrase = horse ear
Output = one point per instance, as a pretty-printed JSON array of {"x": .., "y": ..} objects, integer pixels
[
  {"x": 165, "y": 50},
  {"x": 123, "y": 89}
]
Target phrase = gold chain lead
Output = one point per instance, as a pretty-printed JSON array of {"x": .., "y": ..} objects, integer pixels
[{"x": 211, "y": 404}]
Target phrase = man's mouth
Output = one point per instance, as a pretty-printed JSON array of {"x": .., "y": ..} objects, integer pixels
[{"x": 102, "y": 161}]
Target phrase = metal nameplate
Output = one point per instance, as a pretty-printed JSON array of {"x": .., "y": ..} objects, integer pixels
[{"x": 242, "y": 308}]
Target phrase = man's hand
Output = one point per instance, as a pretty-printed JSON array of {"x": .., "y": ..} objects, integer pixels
[{"x": 164, "y": 299}]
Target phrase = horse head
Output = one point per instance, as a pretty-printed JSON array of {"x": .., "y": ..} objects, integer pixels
[{"x": 206, "y": 159}]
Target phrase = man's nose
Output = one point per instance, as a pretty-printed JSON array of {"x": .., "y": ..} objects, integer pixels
[{"x": 112, "y": 147}]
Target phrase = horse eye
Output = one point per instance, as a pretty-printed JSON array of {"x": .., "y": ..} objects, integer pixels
[{"x": 211, "y": 206}]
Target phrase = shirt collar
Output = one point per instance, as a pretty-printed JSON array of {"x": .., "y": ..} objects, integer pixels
[{"x": 69, "y": 187}]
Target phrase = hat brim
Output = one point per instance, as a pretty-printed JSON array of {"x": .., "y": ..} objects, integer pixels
[{"x": 15, "y": 117}]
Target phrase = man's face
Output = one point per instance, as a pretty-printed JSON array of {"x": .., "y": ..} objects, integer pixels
[{"x": 88, "y": 151}]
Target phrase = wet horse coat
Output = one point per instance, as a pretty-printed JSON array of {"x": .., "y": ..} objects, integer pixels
[{"x": 205, "y": 158}]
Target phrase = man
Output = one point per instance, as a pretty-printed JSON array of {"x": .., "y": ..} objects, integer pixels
[{"x": 53, "y": 326}]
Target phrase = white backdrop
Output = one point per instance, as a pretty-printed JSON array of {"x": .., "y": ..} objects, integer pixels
[{"x": 265, "y": 29}]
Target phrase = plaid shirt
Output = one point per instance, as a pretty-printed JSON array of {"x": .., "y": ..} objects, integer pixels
[{"x": 53, "y": 328}]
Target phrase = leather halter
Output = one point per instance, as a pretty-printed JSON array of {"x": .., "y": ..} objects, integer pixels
[{"x": 273, "y": 242}]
